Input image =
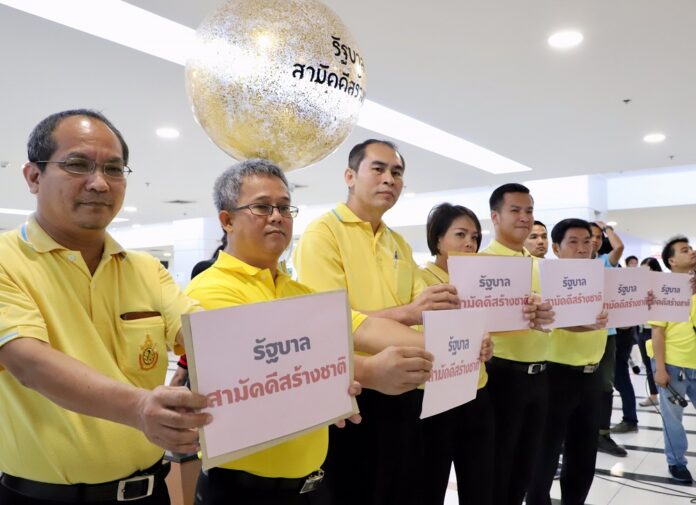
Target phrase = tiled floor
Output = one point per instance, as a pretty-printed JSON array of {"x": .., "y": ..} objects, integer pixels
[{"x": 644, "y": 470}]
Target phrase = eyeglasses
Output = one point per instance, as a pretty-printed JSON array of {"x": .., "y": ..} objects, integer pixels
[
  {"x": 81, "y": 166},
  {"x": 264, "y": 209}
]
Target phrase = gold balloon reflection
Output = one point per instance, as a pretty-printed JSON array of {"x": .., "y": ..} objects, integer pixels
[{"x": 276, "y": 79}]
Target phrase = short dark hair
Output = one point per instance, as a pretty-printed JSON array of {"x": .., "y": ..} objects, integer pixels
[
  {"x": 440, "y": 219},
  {"x": 357, "y": 154},
  {"x": 668, "y": 250},
  {"x": 539, "y": 223},
  {"x": 629, "y": 258},
  {"x": 498, "y": 195},
  {"x": 41, "y": 144},
  {"x": 652, "y": 263},
  {"x": 559, "y": 231}
]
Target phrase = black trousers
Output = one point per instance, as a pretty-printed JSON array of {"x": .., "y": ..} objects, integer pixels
[
  {"x": 463, "y": 436},
  {"x": 625, "y": 338},
  {"x": 160, "y": 496},
  {"x": 381, "y": 460},
  {"x": 214, "y": 489},
  {"x": 642, "y": 337},
  {"x": 606, "y": 375},
  {"x": 519, "y": 404},
  {"x": 571, "y": 424}
]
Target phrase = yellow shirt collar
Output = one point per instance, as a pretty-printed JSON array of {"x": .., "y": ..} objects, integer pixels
[
  {"x": 437, "y": 271},
  {"x": 497, "y": 248},
  {"x": 228, "y": 262},
  {"x": 32, "y": 233}
]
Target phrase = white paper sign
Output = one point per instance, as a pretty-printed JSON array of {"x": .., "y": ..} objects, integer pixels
[
  {"x": 500, "y": 284},
  {"x": 672, "y": 297},
  {"x": 574, "y": 288},
  {"x": 454, "y": 337},
  {"x": 625, "y": 296},
  {"x": 271, "y": 371}
]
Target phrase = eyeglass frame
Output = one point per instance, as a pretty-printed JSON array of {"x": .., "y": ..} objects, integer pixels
[
  {"x": 292, "y": 210},
  {"x": 126, "y": 169}
]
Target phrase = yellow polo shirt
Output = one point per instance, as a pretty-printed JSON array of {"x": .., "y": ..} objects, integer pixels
[
  {"x": 231, "y": 282},
  {"x": 48, "y": 293},
  {"x": 519, "y": 345},
  {"x": 680, "y": 340},
  {"x": 340, "y": 251},
  {"x": 433, "y": 275},
  {"x": 576, "y": 348}
]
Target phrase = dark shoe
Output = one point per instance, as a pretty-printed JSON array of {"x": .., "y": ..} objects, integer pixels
[
  {"x": 607, "y": 445},
  {"x": 680, "y": 474},
  {"x": 624, "y": 427}
]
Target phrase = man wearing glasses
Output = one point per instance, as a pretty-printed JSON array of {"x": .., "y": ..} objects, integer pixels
[
  {"x": 84, "y": 331},
  {"x": 254, "y": 208}
]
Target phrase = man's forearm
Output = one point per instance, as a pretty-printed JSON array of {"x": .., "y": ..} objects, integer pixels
[
  {"x": 400, "y": 314},
  {"x": 658, "y": 343},
  {"x": 376, "y": 334},
  {"x": 70, "y": 383}
]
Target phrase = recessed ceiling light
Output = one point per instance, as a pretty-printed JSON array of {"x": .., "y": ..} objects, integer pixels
[
  {"x": 167, "y": 133},
  {"x": 654, "y": 138},
  {"x": 173, "y": 42},
  {"x": 565, "y": 39},
  {"x": 130, "y": 209}
]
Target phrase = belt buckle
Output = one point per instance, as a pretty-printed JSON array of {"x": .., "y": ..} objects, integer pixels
[
  {"x": 122, "y": 487},
  {"x": 312, "y": 482},
  {"x": 535, "y": 368},
  {"x": 589, "y": 369}
]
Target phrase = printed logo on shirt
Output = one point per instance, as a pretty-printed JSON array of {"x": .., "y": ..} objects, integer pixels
[{"x": 148, "y": 354}]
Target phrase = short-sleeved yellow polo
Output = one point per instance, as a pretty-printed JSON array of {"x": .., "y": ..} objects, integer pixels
[
  {"x": 519, "y": 345},
  {"x": 340, "y": 251},
  {"x": 48, "y": 293},
  {"x": 434, "y": 275},
  {"x": 576, "y": 348},
  {"x": 231, "y": 282},
  {"x": 680, "y": 340}
]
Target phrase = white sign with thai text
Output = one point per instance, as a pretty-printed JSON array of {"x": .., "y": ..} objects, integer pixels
[
  {"x": 626, "y": 296},
  {"x": 454, "y": 337},
  {"x": 672, "y": 296},
  {"x": 574, "y": 287},
  {"x": 499, "y": 284},
  {"x": 271, "y": 371}
]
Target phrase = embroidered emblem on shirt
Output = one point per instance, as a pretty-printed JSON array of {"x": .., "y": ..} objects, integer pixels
[{"x": 148, "y": 354}]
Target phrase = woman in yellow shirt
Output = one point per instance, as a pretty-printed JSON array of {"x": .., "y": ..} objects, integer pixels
[{"x": 464, "y": 435}]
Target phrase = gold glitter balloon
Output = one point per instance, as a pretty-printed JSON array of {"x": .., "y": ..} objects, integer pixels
[{"x": 276, "y": 79}]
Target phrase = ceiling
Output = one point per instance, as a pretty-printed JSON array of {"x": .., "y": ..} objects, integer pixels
[{"x": 480, "y": 70}]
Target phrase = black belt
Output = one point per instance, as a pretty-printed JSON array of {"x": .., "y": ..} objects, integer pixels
[
  {"x": 580, "y": 368},
  {"x": 250, "y": 481},
  {"x": 139, "y": 485},
  {"x": 521, "y": 366}
]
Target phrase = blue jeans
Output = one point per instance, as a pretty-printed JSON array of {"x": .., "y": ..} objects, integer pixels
[{"x": 674, "y": 433}]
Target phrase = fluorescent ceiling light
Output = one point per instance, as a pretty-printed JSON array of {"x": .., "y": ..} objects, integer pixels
[
  {"x": 565, "y": 39},
  {"x": 654, "y": 138},
  {"x": 612, "y": 223},
  {"x": 171, "y": 41},
  {"x": 167, "y": 255},
  {"x": 130, "y": 208},
  {"x": 16, "y": 212},
  {"x": 389, "y": 122},
  {"x": 119, "y": 220},
  {"x": 410, "y": 194},
  {"x": 167, "y": 133}
]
